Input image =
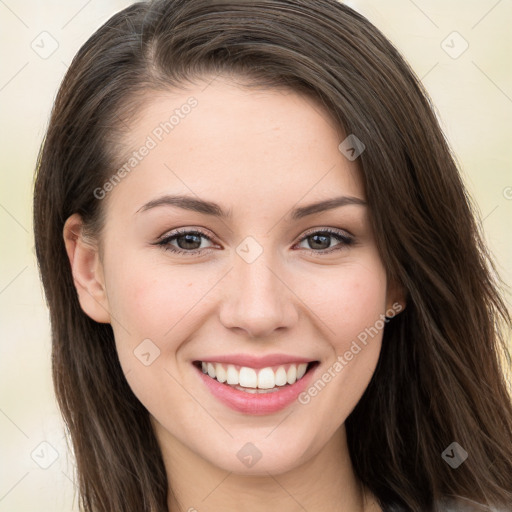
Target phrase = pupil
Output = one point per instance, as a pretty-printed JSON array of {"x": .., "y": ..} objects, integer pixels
[
  {"x": 324, "y": 238},
  {"x": 189, "y": 239}
]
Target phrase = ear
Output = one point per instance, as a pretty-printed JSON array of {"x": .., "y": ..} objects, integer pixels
[
  {"x": 87, "y": 270},
  {"x": 396, "y": 298}
]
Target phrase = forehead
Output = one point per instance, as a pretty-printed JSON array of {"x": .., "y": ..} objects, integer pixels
[{"x": 237, "y": 145}]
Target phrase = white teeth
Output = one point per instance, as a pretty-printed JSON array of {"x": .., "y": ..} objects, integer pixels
[
  {"x": 265, "y": 378},
  {"x": 291, "y": 375},
  {"x": 301, "y": 370},
  {"x": 232, "y": 375},
  {"x": 248, "y": 378},
  {"x": 220, "y": 373},
  {"x": 280, "y": 378}
]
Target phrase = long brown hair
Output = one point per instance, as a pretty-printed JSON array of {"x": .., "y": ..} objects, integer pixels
[{"x": 438, "y": 380}]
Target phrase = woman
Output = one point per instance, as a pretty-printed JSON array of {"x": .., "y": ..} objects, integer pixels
[{"x": 338, "y": 342}]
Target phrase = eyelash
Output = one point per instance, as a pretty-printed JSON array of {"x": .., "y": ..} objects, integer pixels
[{"x": 339, "y": 235}]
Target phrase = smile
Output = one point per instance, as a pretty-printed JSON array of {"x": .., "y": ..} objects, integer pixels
[
  {"x": 256, "y": 391},
  {"x": 253, "y": 380}
]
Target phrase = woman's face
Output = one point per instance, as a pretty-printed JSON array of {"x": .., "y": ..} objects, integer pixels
[{"x": 258, "y": 282}]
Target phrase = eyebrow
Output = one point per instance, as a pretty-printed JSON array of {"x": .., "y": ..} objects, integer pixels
[{"x": 211, "y": 208}]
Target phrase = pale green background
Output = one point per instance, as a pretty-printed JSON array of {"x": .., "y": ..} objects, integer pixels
[{"x": 473, "y": 96}]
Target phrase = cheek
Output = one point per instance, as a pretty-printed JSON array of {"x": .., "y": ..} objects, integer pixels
[
  {"x": 352, "y": 309},
  {"x": 151, "y": 296},
  {"x": 152, "y": 306},
  {"x": 362, "y": 304},
  {"x": 155, "y": 301},
  {"x": 348, "y": 301}
]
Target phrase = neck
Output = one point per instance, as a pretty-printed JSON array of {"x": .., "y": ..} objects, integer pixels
[{"x": 325, "y": 482}]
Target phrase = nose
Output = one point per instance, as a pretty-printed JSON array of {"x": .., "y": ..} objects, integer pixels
[{"x": 258, "y": 299}]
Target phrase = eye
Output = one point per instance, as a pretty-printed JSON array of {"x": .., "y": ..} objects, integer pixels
[
  {"x": 318, "y": 240},
  {"x": 188, "y": 241}
]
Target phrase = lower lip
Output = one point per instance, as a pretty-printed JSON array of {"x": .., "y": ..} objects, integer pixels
[{"x": 257, "y": 403}]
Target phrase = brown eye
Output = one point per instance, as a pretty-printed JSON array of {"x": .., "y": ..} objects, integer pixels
[
  {"x": 320, "y": 241},
  {"x": 188, "y": 242}
]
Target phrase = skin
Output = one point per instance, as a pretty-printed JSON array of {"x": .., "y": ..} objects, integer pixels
[{"x": 259, "y": 154}]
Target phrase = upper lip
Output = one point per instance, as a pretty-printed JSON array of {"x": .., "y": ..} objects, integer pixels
[{"x": 255, "y": 361}]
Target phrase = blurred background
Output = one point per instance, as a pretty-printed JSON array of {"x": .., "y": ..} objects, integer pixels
[{"x": 460, "y": 50}]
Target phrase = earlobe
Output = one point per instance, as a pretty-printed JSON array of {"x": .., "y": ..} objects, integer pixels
[{"x": 87, "y": 270}]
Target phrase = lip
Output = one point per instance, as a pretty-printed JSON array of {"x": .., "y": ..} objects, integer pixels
[
  {"x": 256, "y": 362},
  {"x": 254, "y": 403}
]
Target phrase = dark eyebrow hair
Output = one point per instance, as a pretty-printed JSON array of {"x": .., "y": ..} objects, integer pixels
[
  {"x": 211, "y": 208},
  {"x": 328, "y": 204},
  {"x": 187, "y": 203}
]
